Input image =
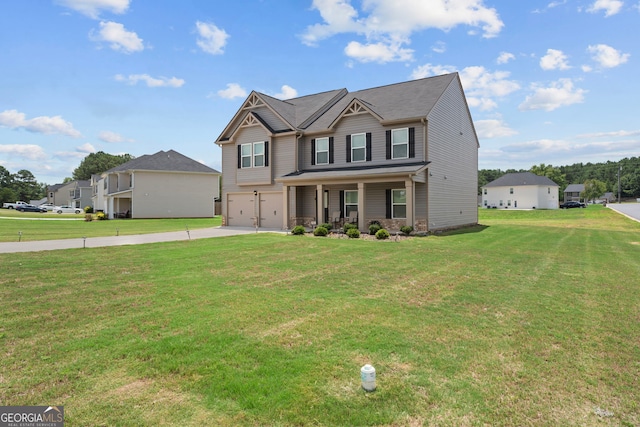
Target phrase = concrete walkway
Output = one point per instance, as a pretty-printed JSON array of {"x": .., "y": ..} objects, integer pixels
[{"x": 137, "y": 239}]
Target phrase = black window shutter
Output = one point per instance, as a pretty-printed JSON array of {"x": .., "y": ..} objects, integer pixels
[
  {"x": 330, "y": 149},
  {"x": 368, "y": 146},
  {"x": 313, "y": 151},
  {"x": 388, "y": 135},
  {"x": 388, "y": 191},
  {"x": 412, "y": 142},
  {"x": 266, "y": 153},
  {"x": 341, "y": 203},
  {"x": 239, "y": 156},
  {"x": 348, "y": 148}
]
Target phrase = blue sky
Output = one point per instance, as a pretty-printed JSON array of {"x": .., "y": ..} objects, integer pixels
[{"x": 547, "y": 82}]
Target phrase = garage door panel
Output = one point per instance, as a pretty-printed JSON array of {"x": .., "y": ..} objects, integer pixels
[
  {"x": 271, "y": 210},
  {"x": 240, "y": 209}
]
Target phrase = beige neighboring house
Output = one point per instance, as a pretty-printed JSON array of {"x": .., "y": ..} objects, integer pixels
[
  {"x": 402, "y": 154},
  {"x": 76, "y": 194},
  {"x": 521, "y": 190},
  {"x": 166, "y": 184}
]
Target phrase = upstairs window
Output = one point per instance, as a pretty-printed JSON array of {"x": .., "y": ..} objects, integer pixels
[
  {"x": 358, "y": 147},
  {"x": 510, "y": 190},
  {"x": 253, "y": 155},
  {"x": 322, "y": 151},
  {"x": 400, "y": 143},
  {"x": 245, "y": 155}
]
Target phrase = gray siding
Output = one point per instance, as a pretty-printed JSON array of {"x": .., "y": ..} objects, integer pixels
[
  {"x": 362, "y": 123},
  {"x": 453, "y": 171}
]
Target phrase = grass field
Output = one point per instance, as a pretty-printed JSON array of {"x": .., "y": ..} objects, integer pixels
[
  {"x": 28, "y": 226},
  {"x": 531, "y": 318}
]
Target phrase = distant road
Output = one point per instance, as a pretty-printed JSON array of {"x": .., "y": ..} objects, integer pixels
[{"x": 632, "y": 210}]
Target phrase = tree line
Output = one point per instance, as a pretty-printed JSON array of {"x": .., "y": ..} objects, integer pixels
[
  {"x": 23, "y": 185},
  {"x": 601, "y": 175}
]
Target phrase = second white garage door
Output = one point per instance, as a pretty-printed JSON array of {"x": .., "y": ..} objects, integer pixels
[{"x": 271, "y": 210}]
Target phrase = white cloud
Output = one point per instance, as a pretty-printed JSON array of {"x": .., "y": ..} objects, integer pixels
[
  {"x": 133, "y": 79},
  {"x": 86, "y": 148},
  {"x": 25, "y": 151},
  {"x": 118, "y": 37},
  {"x": 493, "y": 128},
  {"x": 614, "y": 134},
  {"x": 439, "y": 47},
  {"x": 286, "y": 92},
  {"x": 92, "y": 8},
  {"x": 554, "y": 60},
  {"x": 377, "y": 52},
  {"x": 481, "y": 86},
  {"x": 211, "y": 38},
  {"x": 610, "y": 7},
  {"x": 561, "y": 93},
  {"x": 607, "y": 56},
  {"x": 112, "y": 137},
  {"x": 43, "y": 124},
  {"x": 387, "y": 27},
  {"x": 233, "y": 90},
  {"x": 505, "y": 57}
]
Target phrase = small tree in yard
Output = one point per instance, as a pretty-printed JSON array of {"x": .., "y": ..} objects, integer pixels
[{"x": 593, "y": 189}]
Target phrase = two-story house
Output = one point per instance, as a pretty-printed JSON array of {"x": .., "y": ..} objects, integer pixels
[
  {"x": 402, "y": 154},
  {"x": 521, "y": 190},
  {"x": 166, "y": 184}
]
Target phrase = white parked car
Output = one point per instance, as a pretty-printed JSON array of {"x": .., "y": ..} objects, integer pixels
[
  {"x": 48, "y": 206},
  {"x": 66, "y": 209}
]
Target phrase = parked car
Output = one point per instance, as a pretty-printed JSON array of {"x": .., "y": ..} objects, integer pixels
[
  {"x": 66, "y": 209},
  {"x": 569, "y": 205},
  {"x": 48, "y": 206},
  {"x": 13, "y": 205},
  {"x": 30, "y": 208}
]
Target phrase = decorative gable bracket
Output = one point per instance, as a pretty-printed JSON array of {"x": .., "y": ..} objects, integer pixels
[{"x": 356, "y": 107}]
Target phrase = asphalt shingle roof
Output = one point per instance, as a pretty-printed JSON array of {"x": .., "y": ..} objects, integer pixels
[
  {"x": 168, "y": 161},
  {"x": 521, "y": 178}
]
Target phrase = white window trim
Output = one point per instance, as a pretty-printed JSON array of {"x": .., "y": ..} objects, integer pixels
[
  {"x": 244, "y": 156},
  {"x": 318, "y": 151},
  {"x": 254, "y": 155},
  {"x": 393, "y": 144},
  {"x": 359, "y": 148},
  {"x": 393, "y": 216},
  {"x": 346, "y": 213}
]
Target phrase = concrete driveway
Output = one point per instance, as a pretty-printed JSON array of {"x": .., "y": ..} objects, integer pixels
[
  {"x": 630, "y": 210},
  {"x": 95, "y": 242}
]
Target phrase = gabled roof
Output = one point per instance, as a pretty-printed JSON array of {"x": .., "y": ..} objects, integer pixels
[
  {"x": 319, "y": 112},
  {"x": 521, "y": 178},
  {"x": 574, "y": 188},
  {"x": 167, "y": 161}
]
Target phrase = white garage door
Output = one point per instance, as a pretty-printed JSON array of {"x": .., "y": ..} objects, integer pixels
[
  {"x": 271, "y": 210},
  {"x": 240, "y": 210}
]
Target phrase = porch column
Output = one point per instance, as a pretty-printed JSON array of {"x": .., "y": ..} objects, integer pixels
[
  {"x": 408, "y": 187},
  {"x": 362, "y": 206},
  {"x": 110, "y": 207},
  {"x": 285, "y": 207},
  {"x": 319, "y": 204}
]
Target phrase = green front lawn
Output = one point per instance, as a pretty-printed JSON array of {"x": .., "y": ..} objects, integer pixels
[
  {"x": 29, "y": 226},
  {"x": 532, "y": 318}
]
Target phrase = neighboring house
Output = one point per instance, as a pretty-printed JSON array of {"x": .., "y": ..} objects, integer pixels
[
  {"x": 62, "y": 194},
  {"x": 522, "y": 190},
  {"x": 98, "y": 200},
  {"x": 573, "y": 192},
  {"x": 81, "y": 194},
  {"x": 402, "y": 154},
  {"x": 166, "y": 184}
]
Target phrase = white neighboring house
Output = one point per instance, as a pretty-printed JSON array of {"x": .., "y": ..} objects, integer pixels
[
  {"x": 166, "y": 184},
  {"x": 522, "y": 190}
]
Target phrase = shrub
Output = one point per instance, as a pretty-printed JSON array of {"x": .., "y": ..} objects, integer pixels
[
  {"x": 100, "y": 216},
  {"x": 373, "y": 228},
  {"x": 349, "y": 226},
  {"x": 88, "y": 209},
  {"x": 326, "y": 225},
  {"x": 298, "y": 230},
  {"x": 320, "y": 231},
  {"x": 406, "y": 229},
  {"x": 353, "y": 233},
  {"x": 382, "y": 234}
]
